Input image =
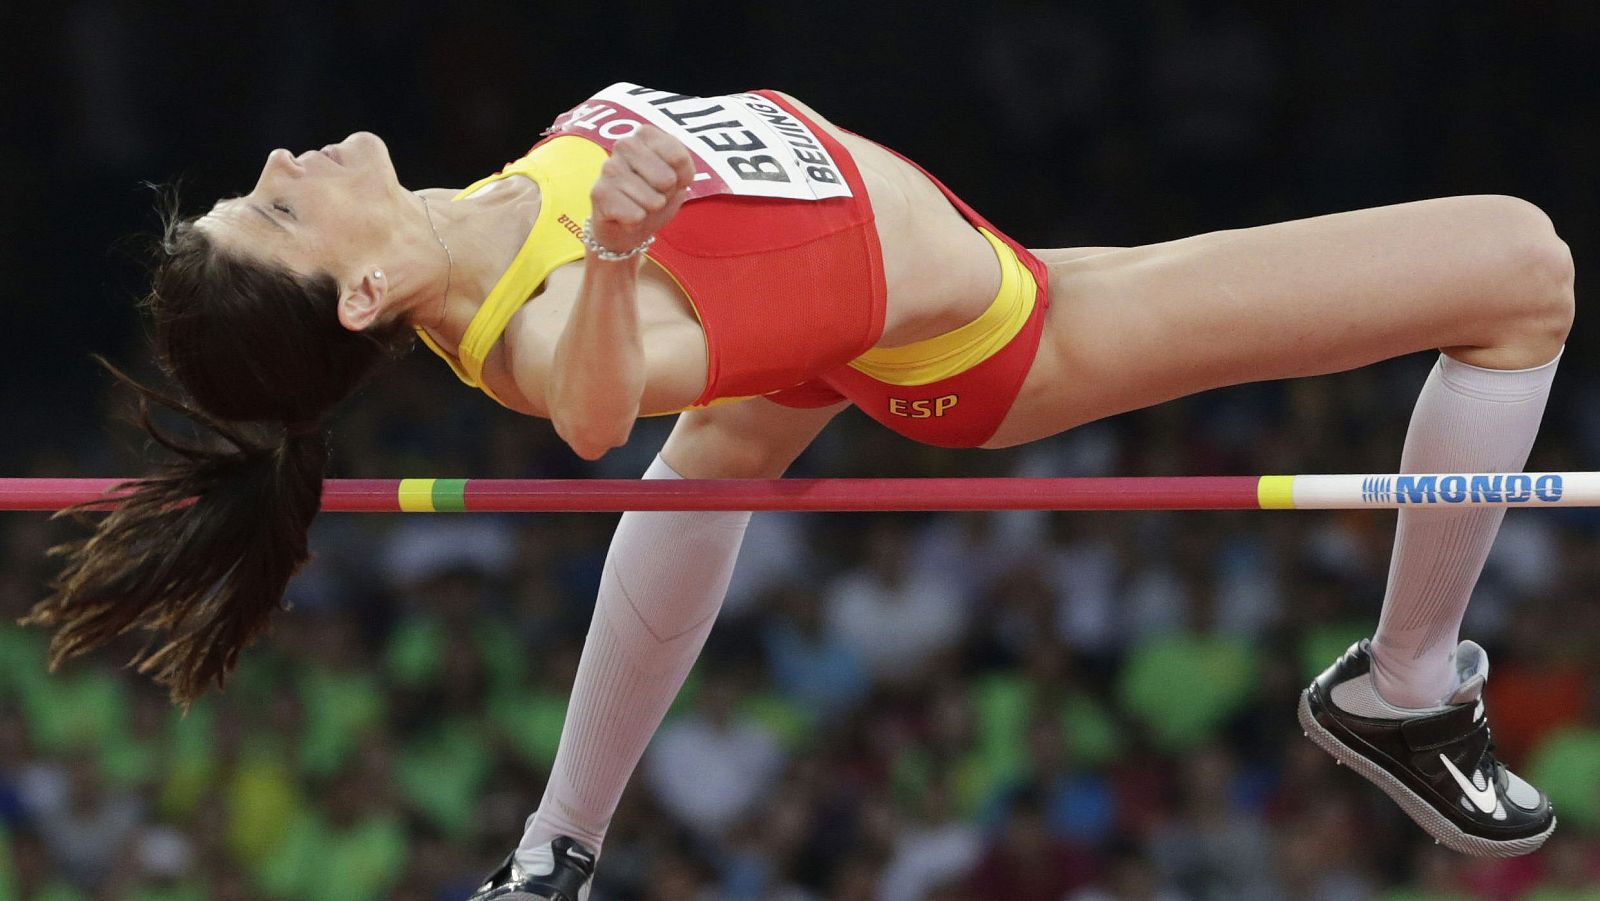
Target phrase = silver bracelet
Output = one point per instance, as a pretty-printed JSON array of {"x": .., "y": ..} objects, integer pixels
[{"x": 606, "y": 255}]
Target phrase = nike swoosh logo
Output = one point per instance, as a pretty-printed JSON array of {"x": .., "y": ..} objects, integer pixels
[{"x": 1482, "y": 798}]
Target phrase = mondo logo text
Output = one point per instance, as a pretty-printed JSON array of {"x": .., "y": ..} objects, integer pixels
[{"x": 1460, "y": 489}]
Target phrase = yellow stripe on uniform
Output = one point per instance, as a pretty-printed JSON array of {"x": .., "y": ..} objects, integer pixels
[
  {"x": 416, "y": 495},
  {"x": 1275, "y": 492},
  {"x": 948, "y": 355}
]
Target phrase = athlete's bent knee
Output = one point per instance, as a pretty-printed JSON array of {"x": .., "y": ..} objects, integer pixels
[
  {"x": 1560, "y": 305},
  {"x": 1537, "y": 267}
]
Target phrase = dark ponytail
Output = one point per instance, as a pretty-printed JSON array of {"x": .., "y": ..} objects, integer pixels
[{"x": 197, "y": 555}]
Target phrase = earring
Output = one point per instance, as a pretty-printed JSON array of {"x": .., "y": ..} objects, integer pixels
[{"x": 377, "y": 274}]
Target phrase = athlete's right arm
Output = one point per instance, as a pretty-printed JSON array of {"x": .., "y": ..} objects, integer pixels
[{"x": 598, "y": 375}]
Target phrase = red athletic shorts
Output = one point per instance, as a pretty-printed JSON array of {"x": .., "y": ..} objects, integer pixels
[{"x": 961, "y": 411}]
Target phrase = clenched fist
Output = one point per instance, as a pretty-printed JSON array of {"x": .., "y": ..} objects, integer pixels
[{"x": 640, "y": 188}]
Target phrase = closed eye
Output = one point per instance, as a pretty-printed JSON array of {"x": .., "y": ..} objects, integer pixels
[{"x": 283, "y": 208}]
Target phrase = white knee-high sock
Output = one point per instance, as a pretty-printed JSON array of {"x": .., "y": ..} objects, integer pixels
[
  {"x": 664, "y": 580},
  {"x": 1467, "y": 419}
]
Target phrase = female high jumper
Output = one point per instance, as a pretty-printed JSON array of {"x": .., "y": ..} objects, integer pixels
[{"x": 743, "y": 262}]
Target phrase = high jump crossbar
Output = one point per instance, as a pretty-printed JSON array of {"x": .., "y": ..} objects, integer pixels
[{"x": 1296, "y": 492}]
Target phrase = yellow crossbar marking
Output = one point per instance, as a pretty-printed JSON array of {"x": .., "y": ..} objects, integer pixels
[{"x": 1275, "y": 492}]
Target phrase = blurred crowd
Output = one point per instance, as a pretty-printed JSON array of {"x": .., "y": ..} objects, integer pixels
[
  {"x": 1067, "y": 707},
  {"x": 976, "y": 706}
]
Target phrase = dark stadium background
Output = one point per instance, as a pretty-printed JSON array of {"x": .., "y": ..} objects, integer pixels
[{"x": 1108, "y": 712}]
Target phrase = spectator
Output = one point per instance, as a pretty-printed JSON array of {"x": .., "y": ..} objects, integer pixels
[
  {"x": 1129, "y": 876},
  {"x": 894, "y": 618},
  {"x": 710, "y": 768},
  {"x": 85, "y": 825},
  {"x": 1026, "y": 862},
  {"x": 933, "y": 848},
  {"x": 815, "y": 668},
  {"x": 1211, "y": 849}
]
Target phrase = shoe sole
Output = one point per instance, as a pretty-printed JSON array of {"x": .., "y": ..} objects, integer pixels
[{"x": 1421, "y": 812}]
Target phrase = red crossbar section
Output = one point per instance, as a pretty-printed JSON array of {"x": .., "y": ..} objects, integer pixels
[{"x": 615, "y": 495}]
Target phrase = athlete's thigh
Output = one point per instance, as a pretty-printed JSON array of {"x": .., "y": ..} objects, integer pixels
[
  {"x": 750, "y": 439},
  {"x": 1053, "y": 255},
  {"x": 1130, "y": 328}
]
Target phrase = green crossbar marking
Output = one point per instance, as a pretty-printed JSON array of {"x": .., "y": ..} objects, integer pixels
[{"x": 450, "y": 495}]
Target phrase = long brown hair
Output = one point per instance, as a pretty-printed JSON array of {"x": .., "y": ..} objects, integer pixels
[{"x": 198, "y": 554}]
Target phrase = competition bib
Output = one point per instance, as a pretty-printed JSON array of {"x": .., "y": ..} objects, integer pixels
[{"x": 742, "y": 144}]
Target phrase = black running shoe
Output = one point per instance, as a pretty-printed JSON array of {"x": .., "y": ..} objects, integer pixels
[
  {"x": 1437, "y": 764},
  {"x": 561, "y": 871}
]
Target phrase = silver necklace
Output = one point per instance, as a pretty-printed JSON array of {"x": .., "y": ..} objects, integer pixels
[{"x": 449, "y": 260}]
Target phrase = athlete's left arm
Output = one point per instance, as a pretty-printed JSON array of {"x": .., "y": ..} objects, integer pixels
[{"x": 598, "y": 377}]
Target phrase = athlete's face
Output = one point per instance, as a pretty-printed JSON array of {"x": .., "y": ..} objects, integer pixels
[{"x": 331, "y": 210}]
